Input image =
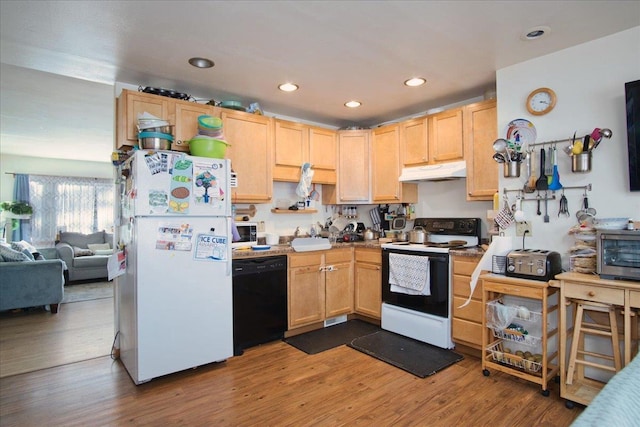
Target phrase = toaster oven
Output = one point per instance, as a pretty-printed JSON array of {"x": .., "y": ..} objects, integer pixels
[{"x": 618, "y": 254}]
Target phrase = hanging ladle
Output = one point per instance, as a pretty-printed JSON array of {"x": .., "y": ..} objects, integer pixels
[{"x": 501, "y": 146}]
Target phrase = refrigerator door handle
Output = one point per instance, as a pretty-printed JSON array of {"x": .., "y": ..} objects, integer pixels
[{"x": 229, "y": 251}]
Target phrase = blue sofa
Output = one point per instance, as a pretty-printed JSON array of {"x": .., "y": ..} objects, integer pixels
[{"x": 32, "y": 283}]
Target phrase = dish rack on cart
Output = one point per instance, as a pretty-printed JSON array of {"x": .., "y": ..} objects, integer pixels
[{"x": 517, "y": 329}]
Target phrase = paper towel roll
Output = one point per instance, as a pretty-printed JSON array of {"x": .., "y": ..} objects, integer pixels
[{"x": 501, "y": 246}]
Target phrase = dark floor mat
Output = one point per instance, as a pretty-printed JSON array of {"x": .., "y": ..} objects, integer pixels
[
  {"x": 333, "y": 336},
  {"x": 415, "y": 357}
]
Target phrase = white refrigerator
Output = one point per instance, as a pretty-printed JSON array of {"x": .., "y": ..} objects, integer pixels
[{"x": 174, "y": 300}]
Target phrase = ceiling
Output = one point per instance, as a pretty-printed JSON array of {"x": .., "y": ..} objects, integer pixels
[{"x": 335, "y": 51}]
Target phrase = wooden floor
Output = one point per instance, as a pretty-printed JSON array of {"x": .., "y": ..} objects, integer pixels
[
  {"x": 278, "y": 385},
  {"x": 35, "y": 339}
]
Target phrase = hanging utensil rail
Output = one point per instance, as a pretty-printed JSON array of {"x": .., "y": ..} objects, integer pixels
[
  {"x": 531, "y": 199},
  {"x": 557, "y": 141},
  {"x": 586, "y": 188}
]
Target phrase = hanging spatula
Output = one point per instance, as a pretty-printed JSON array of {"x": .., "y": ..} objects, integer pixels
[
  {"x": 541, "y": 183},
  {"x": 530, "y": 184},
  {"x": 555, "y": 179}
]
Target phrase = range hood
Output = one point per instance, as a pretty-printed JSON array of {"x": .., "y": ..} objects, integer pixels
[{"x": 439, "y": 172}]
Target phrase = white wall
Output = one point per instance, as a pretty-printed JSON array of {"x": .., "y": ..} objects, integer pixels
[
  {"x": 589, "y": 82},
  {"x": 448, "y": 199}
]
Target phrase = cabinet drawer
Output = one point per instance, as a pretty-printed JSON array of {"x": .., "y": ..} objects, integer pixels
[
  {"x": 465, "y": 265},
  {"x": 594, "y": 293},
  {"x": 373, "y": 256},
  {"x": 634, "y": 299},
  {"x": 311, "y": 258},
  {"x": 461, "y": 287},
  {"x": 513, "y": 289},
  {"x": 338, "y": 255},
  {"x": 472, "y": 311},
  {"x": 468, "y": 332}
]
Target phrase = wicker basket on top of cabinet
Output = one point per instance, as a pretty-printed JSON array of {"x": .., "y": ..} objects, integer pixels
[{"x": 467, "y": 320}]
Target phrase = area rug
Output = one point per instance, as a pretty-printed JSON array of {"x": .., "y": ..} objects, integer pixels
[
  {"x": 87, "y": 291},
  {"x": 415, "y": 357},
  {"x": 330, "y": 337}
]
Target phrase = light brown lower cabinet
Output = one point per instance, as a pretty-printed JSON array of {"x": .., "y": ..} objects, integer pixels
[
  {"x": 467, "y": 321},
  {"x": 320, "y": 286},
  {"x": 368, "y": 282}
]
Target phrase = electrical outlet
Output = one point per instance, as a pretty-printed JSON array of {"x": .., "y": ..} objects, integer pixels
[
  {"x": 522, "y": 227},
  {"x": 261, "y": 227}
]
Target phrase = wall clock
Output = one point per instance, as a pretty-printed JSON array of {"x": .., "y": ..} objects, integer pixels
[{"x": 541, "y": 101}]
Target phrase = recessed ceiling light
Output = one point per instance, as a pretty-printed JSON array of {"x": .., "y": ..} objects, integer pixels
[
  {"x": 353, "y": 104},
  {"x": 535, "y": 32},
  {"x": 201, "y": 62},
  {"x": 288, "y": 87},
  {"x": 415, "y": 81}
]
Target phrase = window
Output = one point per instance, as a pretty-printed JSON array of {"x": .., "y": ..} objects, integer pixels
[{"x": 82, "y": 205}]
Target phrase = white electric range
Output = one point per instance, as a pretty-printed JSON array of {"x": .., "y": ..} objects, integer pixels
[{"x": 416, "y": 280}]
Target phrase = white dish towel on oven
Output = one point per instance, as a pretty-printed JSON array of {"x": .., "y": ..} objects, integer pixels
[{"x": 409, "y": 274}]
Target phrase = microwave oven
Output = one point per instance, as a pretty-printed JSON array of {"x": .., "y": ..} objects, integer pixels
[
  {"x": 248, "y": 232},
  {"x": 618, "y": 254}
]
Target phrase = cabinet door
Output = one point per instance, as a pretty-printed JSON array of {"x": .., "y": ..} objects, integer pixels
[
  {"x": 385, "y": 165},
  {"x": 129, "y": 105},
  {"x": 251, "y": 154},
  {"x": 338, "y": 289},
  {"x": 480, "y": 131},
  {"x": 445, "y": 136},
  {"x": 323, "y": 154},
  {"x": 291, "y": 146},
  {"x": 414, "y": 148},
  {"x": 186, "y": 119},
  {"x": 368, "y": 289},
  {"x": 353, "y": 173},
  {"x": 305, "y": 295}
]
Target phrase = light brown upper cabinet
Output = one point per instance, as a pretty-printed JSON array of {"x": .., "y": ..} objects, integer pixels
[
  {"x": 353, "y": 169},
  {"x": 480, "y": 131},
  {"x": 323, "y": 154},
  {"x": 296, "y": 144},
  {"x": 385, "y": 168},
  {"x": 182, "y": 114},
  {"x": 186, "y": 119},
  {"x": 445, "y": 136},
  {"x": 251, "y": 154},
  {"x": 414, "y": 139}
]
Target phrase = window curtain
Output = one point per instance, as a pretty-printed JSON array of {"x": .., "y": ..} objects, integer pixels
[
  {"x": 21, "y": 194},
  {"x": 82, "y": 205}
]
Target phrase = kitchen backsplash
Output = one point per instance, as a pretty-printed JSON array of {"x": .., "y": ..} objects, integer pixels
[{"x": 436, "y": 199}]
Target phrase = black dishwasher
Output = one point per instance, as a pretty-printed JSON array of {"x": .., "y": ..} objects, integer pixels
[{"x": 259, "y": 301}]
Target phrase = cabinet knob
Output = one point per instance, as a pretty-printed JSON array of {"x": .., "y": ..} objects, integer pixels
[{"x": 591, "y": 294}]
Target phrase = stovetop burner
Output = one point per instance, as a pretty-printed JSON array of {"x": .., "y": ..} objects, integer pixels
[{"x": 444, "y": 234}]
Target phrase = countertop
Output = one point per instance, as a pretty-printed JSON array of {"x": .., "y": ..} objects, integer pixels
[
  {"x": 287, "y": 249},
  {"x": 475, "y": 251},
  {"x": 374, "y": 244},
  {"x": 594, "y": 279}
]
